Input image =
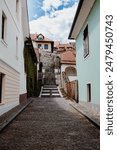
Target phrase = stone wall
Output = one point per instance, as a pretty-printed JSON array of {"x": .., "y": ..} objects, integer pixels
[{"x": 47, "y": 59}]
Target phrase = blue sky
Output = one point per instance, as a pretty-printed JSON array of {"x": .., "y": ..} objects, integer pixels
[
  {"x": 34, "y": 9},
  {"x": 53, "y": 18}
]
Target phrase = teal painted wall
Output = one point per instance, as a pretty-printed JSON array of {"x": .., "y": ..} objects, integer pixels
[{"x": 89, "y": 68}]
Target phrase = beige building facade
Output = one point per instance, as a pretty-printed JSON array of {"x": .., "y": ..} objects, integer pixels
[{"x": 43, "y": 49}]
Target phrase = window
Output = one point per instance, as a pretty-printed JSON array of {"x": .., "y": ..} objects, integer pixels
[
  {"x": 1, "y": 79},
  {"x": 3, "y": 33},
  {"x": 17, "y": 50},
  {"x": 86, "y": 42},
  {"x": 40, "y": 37},
  {"x": 39, "y": 45},
  {"x": 46, "y": 46},
  {"x": 17, "y": 8},
  {"x": 89, "y": 92}
]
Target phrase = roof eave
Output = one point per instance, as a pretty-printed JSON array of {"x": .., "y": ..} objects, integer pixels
[
  {"x": 66, "y": 62},
  {"x": 75, "y": 18},
  {"x": 81, "y": 15}
]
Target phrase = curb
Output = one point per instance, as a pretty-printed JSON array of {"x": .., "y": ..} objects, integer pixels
[
  {"x": 10, "y": 119},
  {"x": 88, "y": 117}
]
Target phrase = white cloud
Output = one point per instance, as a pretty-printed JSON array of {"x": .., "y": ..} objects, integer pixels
[
  {"x": 47, "y": 4},
  {"x": 65, "y": 2},
  {"x": 57, "y": 26},
  {"x": 35, "y": 16}
]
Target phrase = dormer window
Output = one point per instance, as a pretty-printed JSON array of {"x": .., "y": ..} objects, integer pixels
[{"x": 40, "y": 37}]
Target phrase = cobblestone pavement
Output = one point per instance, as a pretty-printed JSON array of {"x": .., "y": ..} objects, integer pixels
[{"x": 50, "y": 124}]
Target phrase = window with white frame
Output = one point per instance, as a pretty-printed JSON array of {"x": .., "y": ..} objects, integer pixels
[
  {"x": 46, "y": 46},
  {"x": 4, "y": 25},
  {"x": 86, "y": 42}
]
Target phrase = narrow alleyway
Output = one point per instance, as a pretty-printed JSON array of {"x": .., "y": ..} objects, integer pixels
[{"x": 50, "y": 124}]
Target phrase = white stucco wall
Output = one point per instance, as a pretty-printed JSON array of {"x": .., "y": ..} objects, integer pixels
[
  {"x": 8, "y": 47},
  {"x": 42, "y": 47},
  {"x": 64, "y": 66},
  {"x": 71, "y": 78},
  {"x": 11, "y": 53},
  {"x": 24, "y": 32}
]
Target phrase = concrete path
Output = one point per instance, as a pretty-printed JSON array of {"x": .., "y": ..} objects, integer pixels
[
  {"x": 90, "y": 110},
  {"x": 50, "y": 124}
]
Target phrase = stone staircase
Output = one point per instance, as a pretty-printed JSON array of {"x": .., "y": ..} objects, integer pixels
[{"x": 50, "y": 91}]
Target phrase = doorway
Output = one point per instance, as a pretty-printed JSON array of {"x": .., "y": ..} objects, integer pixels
[{"x": 89, "y": 92}]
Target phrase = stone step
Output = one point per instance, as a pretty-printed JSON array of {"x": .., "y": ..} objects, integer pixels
[
  {"x": 50, "y": 92},
  {"x": 52, "y": 96},
  {"x": 49, "y": 88},
  {"x": 55, "y": 94}
]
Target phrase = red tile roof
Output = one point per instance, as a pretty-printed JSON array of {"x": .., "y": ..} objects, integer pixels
[
  {"x": 60, "y": 48},
  {"x": 68, "y": 57},
  {"x": 35, "y": 38}
]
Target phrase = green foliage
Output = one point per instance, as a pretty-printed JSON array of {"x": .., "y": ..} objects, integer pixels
[{"x": 33, "y": 87}]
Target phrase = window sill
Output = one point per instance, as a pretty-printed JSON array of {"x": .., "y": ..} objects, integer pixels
[
  {"x": 86, "y": 57},
  {"x": 4, "y": 43}
]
